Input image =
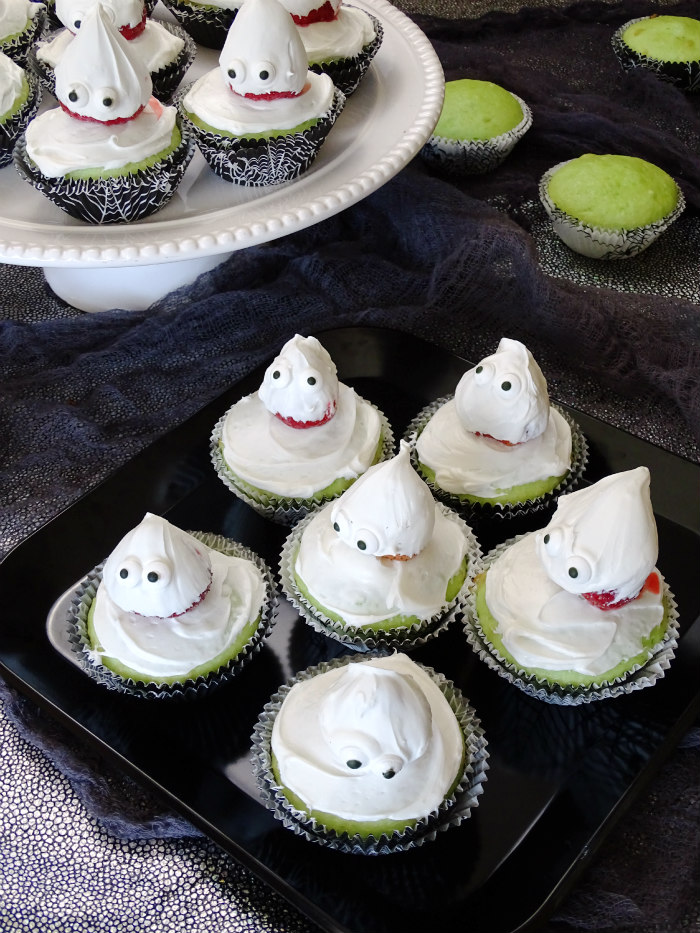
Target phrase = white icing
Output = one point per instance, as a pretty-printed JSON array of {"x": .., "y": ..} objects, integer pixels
[
  {"x": 603, "y": 539},
  {"x": 219, "y": 4},
  {"x": 388, "y": 512},
  {"x": 480, "y": 466},
  {"x": 389, "y": 712},
  {"x": 301, "y": 383},
  {"x": 100, "y": 76},
  {"x": 15, "y": 16},
  {"x": 157, "y": 46},
  {"x": 505, "y": 395},
  {"x": 343, "y": 37},
  {"x": 120, "y": 12},
  {"x": 11, "y": 83},
  {"x": 362, "y": 589},
  {"x": 545, "y": 627},
  {"x": 292, "y": 462},
  {"x": 157, "y": 569}
]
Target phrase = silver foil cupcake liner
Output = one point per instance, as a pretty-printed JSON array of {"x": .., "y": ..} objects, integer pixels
[
  {"x": 485, "y": 510},
  {"x": 458, "y": 157},
  {"x": 208, "y": 25},
  {"x": 637, "y": 678},
  {"x": 684, "y": 75},
  {"x": 17, "y": 48},
  {"x": 279, "y": 509},
  {"x": 15, "y": 125},
  {"x": 453, "y": 811},
  {"x": 89, "y": 658},
  {"x": 346, "y": 73},
  {"x": 596, "y": 242},
  {"x": 261, "y": 162},
  {"x": 362, "y": 639}
]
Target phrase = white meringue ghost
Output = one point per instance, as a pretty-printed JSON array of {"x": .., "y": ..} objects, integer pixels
[
  {"x": 123, "y": 14},
  {"x": 388, "y": 512},
  {"x": 157, "y": 570},
  {"x": 603, "y": 539},
  {"x": 263, "y": 53},
  {"x": 99, "y": 77},
  {"x": 300, "y": 386},
  {"x": 505, "y": 396}
]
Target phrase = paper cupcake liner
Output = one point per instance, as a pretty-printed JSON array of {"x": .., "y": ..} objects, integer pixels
[
  {"x": 484, "y": 510},
  {"x": 595, "y": 242},
  {"x": 208, "y": 25},
  {"x": 685, "y": 75},
  {"x": 187, "y": 689},
  {"x": 346, "y": 73},
  {"x": 453, "y": 811},
  {"x": 262, "y": 162},
  {"x": 360, "y": 638},
  {"x": 18, "y": 47},
  {"x": 637, "y": 678},
  {"x": 458, "y": 157},
  {"x": 121, "y": 199},
  {"x": 15, "y": 125},
  {"x": 280, "y": 509}
]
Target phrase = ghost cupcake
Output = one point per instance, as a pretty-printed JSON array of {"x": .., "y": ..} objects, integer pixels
[
  {"x": 370, "y": 756},
  {"x": 21, "y": 24},
  {"x": 498, "y": 446},
  {"x": 579, "y": 611},
  {"x": 167, "y": 50},
  {"x": 382, "y": 566},
  {"x": 301, "y": 439},
  {"x": 171, "y": 612},
  {"x": 261, "y": 117},
  {"x": 110, "y": 152},
  {"x": 20, "y": 96},
  {"x": 340, "y": 39}
]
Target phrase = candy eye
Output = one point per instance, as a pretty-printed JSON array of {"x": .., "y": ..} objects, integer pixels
[
  {"x": 510, "y": 385},
  {"x": 279, "y": 374},
  {"x": 78, "y": 94},
  {"x": 366, "y": 541},
  {"x": 340, "y": 521},
  {"x": 578, "y": 569},
  {"x": 129, "y": 572},
  {"x": 157, "y": 573},
  {"x": 553, "y": 541},
  {"x": 236, "y": 71},
  {"x": 388, "y": 766},
  {"x": 310, "y": 378},
  {"x": 353, "y": 764},
  {"x": 265, "y": 71},
  {"x": 109, "y": 96},
  {"x": 483, "y": 373}
]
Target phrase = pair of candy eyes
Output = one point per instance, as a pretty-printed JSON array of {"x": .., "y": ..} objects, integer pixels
[
  {"x": 131, "y": 573},
  {"x": 579, "y": 568},
  {"x": 283, "y": 375},
  {"x": 368, "y": 541},
  {"x": 265, "y": 71},
  {"x": 79, "y": 94},
  {"x": 355, "y": 764},
  {"x": 485, "y": 372}
]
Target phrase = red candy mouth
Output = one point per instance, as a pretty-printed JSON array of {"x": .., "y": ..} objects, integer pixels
[
  {"x": 498, "y": 440},
  {"x": 322, "y": 14},
  {"x": 83, "y": 116},
  {"x": 606, "y": 600},
  {"x": 131, "y": 32},
  {"x": 330, "y": 411}
]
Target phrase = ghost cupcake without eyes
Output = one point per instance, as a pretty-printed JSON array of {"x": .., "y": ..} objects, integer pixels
[
  {"x": 498, "y": 442},
  {"x": 110, "y": 151},
  {"x": 261, "y": 117},
  {"x": 580, "y": 605},
  {"x": 302, "y": 438}
]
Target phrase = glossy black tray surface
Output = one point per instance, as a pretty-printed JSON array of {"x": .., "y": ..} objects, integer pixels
[{"x": 559, "y": 777}]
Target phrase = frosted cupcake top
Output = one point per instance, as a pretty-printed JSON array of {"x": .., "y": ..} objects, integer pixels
[
  {"x": 12, "y": 81},
  {"x": 331, "y": 30},
  {"x": 300, "y": 387},
  {"x": 14, "y": 16}
]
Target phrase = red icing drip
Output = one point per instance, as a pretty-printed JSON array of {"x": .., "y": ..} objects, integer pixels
[
  {"x": 82, "y": 116},
  {"x": 131, "y": 32},
  {"x": 652, "y": 583},
  {"x": 330, "y": 411},
  {"x": 497, "y": 439},
  {"x": 607, "y": 601},
  {"x": 271, "y": 95},
  {"x": 322, "y": 14}
]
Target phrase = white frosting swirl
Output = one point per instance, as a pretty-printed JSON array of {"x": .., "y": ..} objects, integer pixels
[
  {"x": 543, "y": 626},
  {"x": 157, "y": 46},
  {"x": 388, "y": 512},
  {"x": 289, "y": 462},
  {"x": 480, "y": 466},
  {"x": 343, "y": 37},
  {"x": 603, "y": 539},
  {"x": 15, "y": 16},
  {"x": 362, "y": 589},
  {"x": 301, "y": 383},
  {"x": 12, "y": 82},
  {"x": 385, "y": 715},
  {"x": 120, "y": 12},
  {"x": 505, "y": 395}
]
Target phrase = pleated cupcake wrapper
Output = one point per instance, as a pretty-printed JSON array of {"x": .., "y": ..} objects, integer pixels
[
  {"x": 208, "y": 25},
  {"x": 484, "y": 510},
  {"x": 165, "y": 80},
  {"x": 361, "y": 638},
  {"x": 15, "y": 125},
  {"x": 685, "y": 75},
  {"x": 475, "y": 157},
  {"x": 18, "y": 48},
  {"x": 89, "y": 658},
  {"x": 637, "y": 678},
  {"x": 596, "y": 242},
  {"x": 280, "y": 509},
  {"x": 453, "y": 811},
  {"x": 346, "y": 73},
  {"x": 119, "y": 199}
]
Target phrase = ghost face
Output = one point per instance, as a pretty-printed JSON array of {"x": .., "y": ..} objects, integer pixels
[
  {"x": 126, "y": 15},
  {"x": 301, "y": 385}
]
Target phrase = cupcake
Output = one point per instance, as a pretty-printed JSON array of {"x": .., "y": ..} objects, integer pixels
[
  {"x": 668, "y": 46},
  {"x": 21, "y": 24},
  {"x": 110, "y": 152},
  {"x": 20, "y": 95},
  {"x": 207, "y": 23},
  {"x": 479, "y": 125},
  {"x": 372, "y": 755},
  {"x": 609, "y": 206},
  {"x": 498, "y": 446},
  {"x": 171, "y": 612},
  {"x": 167, "y": 50},
  {"x": 261, "y": 117},
  {"x": 340, "y": 39},
  {"x": 384, "y": 565},
  {"x": 578, "y": 611},
  {"x": 301, "y": 439}
]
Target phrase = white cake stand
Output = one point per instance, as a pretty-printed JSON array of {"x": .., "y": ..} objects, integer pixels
[{"x": 384, "y": 124}]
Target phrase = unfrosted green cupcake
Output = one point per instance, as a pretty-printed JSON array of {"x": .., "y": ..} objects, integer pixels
[{"x": 668, "y": 46}]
